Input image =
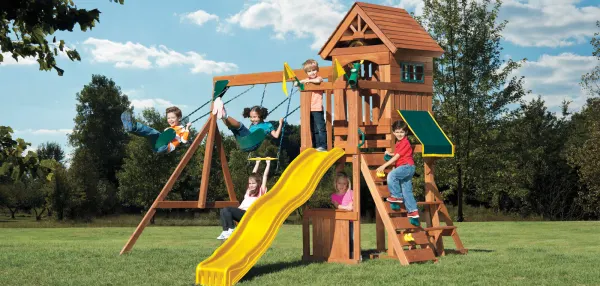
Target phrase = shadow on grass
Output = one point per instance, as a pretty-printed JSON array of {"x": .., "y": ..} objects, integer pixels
[
  {"x": 272, "y": 268},
  {"x": 481, "y": 250}
]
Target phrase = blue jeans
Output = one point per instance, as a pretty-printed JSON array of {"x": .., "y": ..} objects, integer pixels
[
  {"x": 149, "y": 132},
  {"x": 243, "y": 131},
  {"x": 317, "y": 127},
  {"x": 400, "y": 185}
]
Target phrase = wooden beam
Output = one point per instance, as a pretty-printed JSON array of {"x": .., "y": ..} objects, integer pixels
[
  {"x": 194, "y": 205},
  {"x": 305, "y": 132},
  {"x": 166, "y": 189},
  {"x": 267, "y": 77},
  {"x": 359, "y": 36},
  {"x": 225, "y": 167},
  {"x": 210, "y": 141},
  {"x": 395, "y": 86},
  {"x": 359, "y": 50},
  {"x": 332, "y": 214}
]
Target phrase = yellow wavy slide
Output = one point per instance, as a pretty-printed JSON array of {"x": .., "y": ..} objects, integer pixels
[{"x": 259, "y": 226}]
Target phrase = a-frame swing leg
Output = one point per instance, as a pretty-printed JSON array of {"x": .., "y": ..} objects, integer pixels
[
  {"x": 167, "y": 188},
  {"x": 210, "y": 140},
  {"x": 225, "y": 166}
]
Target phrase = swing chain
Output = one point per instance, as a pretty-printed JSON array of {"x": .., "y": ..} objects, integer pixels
[{"x": 224, "y": 103}]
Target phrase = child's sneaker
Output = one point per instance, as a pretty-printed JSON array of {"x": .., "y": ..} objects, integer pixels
[
  {"x": 127, "y": 120},
  {"x": 321, "y": 149},
  {"x": 394, "y": 200},
  {"x": 227, "y": 233},
  {"x": 219, "y": 108},
  {"x": 222, "y": 235},
  {"x": 414, "y": 214}
]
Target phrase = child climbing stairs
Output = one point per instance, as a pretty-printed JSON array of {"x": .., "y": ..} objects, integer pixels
[{"x": 409, "y": 242}]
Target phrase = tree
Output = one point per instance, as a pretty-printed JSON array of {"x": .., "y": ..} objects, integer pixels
[
  {"x": 583, "y": 154},
  {"x": 32, "y": 21},
  {"x": 14, "y": 164},
  {"x": 472, "y": 88},
  {"x": 51, "y": 150},
  {"x": 591, "y": 80},
  {"x": 99, "y": 142}
]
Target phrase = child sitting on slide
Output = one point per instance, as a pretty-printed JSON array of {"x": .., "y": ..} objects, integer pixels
[
  {"x": 173, "y": 118},
  {"x": 257, "y": 187}
]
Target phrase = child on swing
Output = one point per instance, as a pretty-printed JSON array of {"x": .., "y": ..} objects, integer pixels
[
  {"x": 257, "y": 115},
  {"x": 399, "y": 180},
  {"x": 173, "y": 118},
  {"x": 257, "y": 187}
]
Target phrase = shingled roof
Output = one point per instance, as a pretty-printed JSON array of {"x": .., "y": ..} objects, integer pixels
[{"x": 393, "y": 26}]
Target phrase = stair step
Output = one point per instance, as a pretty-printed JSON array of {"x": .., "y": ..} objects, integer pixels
[
  {"x": 446, "y": 230},
  {"x": 377, "y": 179},
  {"x": 401, "y": 223},
  {"x": 419, "y": 255},
  {"x": 393, "y": 213},
  {"x": 420, "y": 238}
]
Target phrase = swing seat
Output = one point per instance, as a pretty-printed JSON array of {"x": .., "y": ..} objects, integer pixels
[
  {"x": 164, "y": 138},
  {"x": 262, "y": 159},
  {"x": 251, "y": 142}
]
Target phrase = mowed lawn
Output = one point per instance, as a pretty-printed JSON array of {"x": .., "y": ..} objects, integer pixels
[{"x": 500, "y": 253}]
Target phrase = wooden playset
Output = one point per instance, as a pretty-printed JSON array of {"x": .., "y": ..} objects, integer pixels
[{"x": 395, "y": 83}]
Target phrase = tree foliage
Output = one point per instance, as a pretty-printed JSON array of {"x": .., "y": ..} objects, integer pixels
[
  {"x": 26, "y": 24},
  {"x": 591, "y": 80},
  {"x": 472, "y": 88},
  {"x": 51, "y": 150}
]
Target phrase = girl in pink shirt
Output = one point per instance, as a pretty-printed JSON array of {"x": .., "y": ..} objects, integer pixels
[
  {"x": 257, "y": 187},
  {"x": 343, "y": 196}
]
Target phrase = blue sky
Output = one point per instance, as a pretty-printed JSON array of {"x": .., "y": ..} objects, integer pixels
[{"x": 164, "y": 53}]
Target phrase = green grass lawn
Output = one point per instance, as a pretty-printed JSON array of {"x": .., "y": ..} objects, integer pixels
[{"x": 500, "y": 253}]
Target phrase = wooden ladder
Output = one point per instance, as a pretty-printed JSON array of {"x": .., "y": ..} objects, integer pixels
[{"x": 397, "y": 223}]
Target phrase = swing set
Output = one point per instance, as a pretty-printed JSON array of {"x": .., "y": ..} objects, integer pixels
[{"x": 210, "y": 131}]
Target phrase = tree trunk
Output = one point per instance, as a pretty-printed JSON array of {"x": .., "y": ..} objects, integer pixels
[
  {"x": 12, "y": 212},
  {"x": 459, "y": 192}
]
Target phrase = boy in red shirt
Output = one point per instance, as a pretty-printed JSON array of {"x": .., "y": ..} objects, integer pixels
[{"x": 400, "y": 179}]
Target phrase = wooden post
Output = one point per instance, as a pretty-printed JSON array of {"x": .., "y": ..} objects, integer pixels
[
  {"x": 305, "y": 133},
  {"x": 379, "y": 232},
  {"x": 356, "y": 185},
  {"x": 225, "y": 167},
  {"x": 329, "y": 123},
  {"x": 207, "y": 161},
  {"x": 354, "y": 106},
  {"x": 430, "y": 197},
  {"x": 166, "y": 189}
]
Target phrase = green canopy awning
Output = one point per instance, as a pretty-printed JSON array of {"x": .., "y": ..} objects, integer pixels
[{"x": 434, "y": 141}]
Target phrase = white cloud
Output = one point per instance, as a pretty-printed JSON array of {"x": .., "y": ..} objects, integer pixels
[
  {"x": 199, "y": 17},
  {"x": 415, "y": 6},
  {"x": 43, "y": 131},
  {"x": 536, "y": 23},
  {"x": 548, "y": 23},
  {"x": 130, "y": 55},
  {"x": 9, "y": 60},
  {"x": 158, "y": 103},
  {"x": 308, "y": 18},
  {"x": 557, "y": 77}
]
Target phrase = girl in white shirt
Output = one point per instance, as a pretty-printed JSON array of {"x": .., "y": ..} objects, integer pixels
[{"x": 257, "y": 187}]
